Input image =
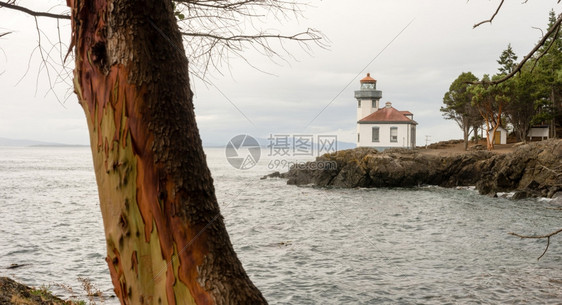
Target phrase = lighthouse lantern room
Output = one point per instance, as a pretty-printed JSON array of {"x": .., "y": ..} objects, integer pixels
[{"x": 367, "y": 97}]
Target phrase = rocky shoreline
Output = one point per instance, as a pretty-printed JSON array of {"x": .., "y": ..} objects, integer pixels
[
  {"x": 531, "y": 170},
  {"x": 12, "y": 292}
]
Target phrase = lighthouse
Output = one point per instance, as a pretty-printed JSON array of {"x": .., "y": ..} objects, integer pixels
[
  {"x": 367, "y": 97},
  {"x": 385, "y": 127}
]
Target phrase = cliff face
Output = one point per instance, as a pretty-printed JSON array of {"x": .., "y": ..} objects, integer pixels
[{"x": 533, "y": 169}]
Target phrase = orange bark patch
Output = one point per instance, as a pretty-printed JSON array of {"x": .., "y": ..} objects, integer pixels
[
  {"x": 135, "y": 263},
  {"x": 116, "y": 271}
]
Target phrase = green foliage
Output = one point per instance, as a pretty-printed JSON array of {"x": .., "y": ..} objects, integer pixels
[
  {"x": 507, "y": 60},
  {"x": 177, "y": 12},
  {"x": 458, "y": 99},
  {"x": 491, "y": 100},
  {"x": 458, "y": 105},
  {"x": 548, "y": 73},
  {"x": 532, "y": 96},
  {"x": 43, "y": 291}
]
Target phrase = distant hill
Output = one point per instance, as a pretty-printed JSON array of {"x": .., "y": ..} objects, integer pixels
[
  {"x": 28, "y": 143},
  {"x": 265, "y": 143}
]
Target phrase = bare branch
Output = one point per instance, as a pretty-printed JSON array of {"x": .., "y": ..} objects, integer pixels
[
  {"x": 4, "y": 34},
  {"x": 47, "y": 61},
  {"x": 536, "y": 28},
  {"x": 547, "y": 48},
  {"x": 492, "y": 18},
  {"x": 32, "y": 13},
  {"x": 309, "y": 35},
  {"x": 226, "y": 5},
  {"x": 216, "y": 31},
  {"x": 547, "y": 237}
]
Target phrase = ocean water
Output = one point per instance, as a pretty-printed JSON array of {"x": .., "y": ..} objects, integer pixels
[{"x": 300, "y": 245}]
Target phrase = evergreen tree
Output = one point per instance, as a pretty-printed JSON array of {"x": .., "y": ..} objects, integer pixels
[
  {"x": 507, "y": 61},
  {"x": 549, "y": 76},
  {"x": 526, "y": 94}
]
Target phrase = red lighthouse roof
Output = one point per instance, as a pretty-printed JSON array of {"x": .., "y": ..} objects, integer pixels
[{"x": 368, "y": 79}]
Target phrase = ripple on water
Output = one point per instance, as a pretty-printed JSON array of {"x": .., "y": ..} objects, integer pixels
[{"x": 300, "y": 245}]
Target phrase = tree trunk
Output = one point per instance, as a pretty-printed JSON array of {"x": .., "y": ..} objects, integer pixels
[
  {"x": 523, "y": 136},
  {"x": 489, "y": 139},
  {"x": 552, "y": 128},
  {"x": 166, "y": 240},
  {"x": 465, "y": 133}
]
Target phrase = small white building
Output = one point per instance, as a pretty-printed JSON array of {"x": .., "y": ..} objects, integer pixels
[
  {"x": 500, "y": 136},
  {"x": 542, "y": 132},
  {"x": 381, "y": 128}
]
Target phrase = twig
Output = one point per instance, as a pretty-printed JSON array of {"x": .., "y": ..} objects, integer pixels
[
  {"x": 492, "y": 18},
  {"x": 536, "y": 28},
  {"x": 32, "y": 13},
  {"x": 548, "y": 236}
]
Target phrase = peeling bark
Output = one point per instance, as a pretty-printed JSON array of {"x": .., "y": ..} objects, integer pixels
[{"x": 166, "y": 240}]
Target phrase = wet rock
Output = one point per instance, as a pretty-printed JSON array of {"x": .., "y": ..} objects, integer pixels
[
  {"x": 557, "y": 198},
  {"x": 15, "y": 266},
  {"x": 273, "y": 175},
  {"x": 534, "y": 169},
  {"x": 521, "y": 195}
]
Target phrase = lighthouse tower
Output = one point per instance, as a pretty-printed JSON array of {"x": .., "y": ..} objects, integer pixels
[{"x": 367, "y": 97}]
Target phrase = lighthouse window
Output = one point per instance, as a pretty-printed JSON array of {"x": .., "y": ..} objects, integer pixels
[
  {"x": 374, "y": 104},
  {"x": 375, "y": 137},
  {"x": 393, "y": 134},
  {"x": 359, "y": 104}
]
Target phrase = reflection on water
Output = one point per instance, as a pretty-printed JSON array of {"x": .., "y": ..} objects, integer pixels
[{"x": 300, "y": 245}]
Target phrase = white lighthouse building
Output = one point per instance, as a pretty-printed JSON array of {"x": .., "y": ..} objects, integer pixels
[{"x": 385, "y": 127}]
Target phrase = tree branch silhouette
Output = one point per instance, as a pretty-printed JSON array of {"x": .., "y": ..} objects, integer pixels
[
  {"x": 31, "y": 12},
  {"x": 547, "y": 237}
]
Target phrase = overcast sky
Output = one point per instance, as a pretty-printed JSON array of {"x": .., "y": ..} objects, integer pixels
[{"x": 413, "y": 73}]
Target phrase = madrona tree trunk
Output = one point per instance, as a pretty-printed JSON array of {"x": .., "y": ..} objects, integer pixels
[
  {"x": 166, "y": 240},
  {"x": 465, "y": 131}
]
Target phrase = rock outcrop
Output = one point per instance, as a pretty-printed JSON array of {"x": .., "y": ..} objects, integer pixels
[
  {"x": 532, "y": 170},
  {"x": 12, "y": 292}
]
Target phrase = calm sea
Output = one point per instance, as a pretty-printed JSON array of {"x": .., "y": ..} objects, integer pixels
[{"x": 300, "y": 245}]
